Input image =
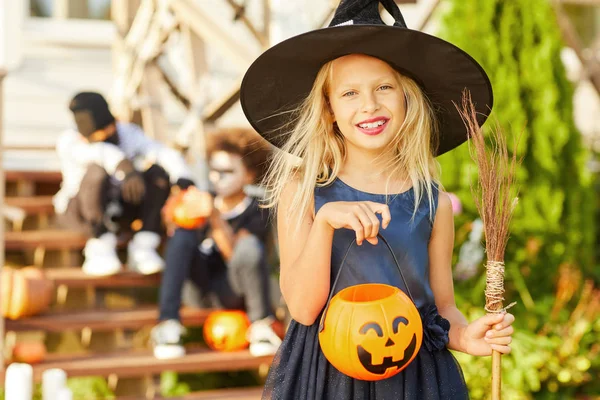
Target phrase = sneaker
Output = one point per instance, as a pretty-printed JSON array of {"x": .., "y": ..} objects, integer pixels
[
  {"x": 263, "y": 339},
  {"x": 166, "y": 339},
  {"x": 101, "y": 257},
  {"x": 142, "y": 255}
]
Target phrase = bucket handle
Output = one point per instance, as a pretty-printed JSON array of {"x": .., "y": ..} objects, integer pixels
[{"x": 380, "y": 237}]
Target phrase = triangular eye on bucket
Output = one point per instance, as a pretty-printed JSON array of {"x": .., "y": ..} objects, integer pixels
[{"x": 283, "y": 76}]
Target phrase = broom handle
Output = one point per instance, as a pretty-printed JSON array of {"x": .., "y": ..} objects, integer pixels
[
  {"x": 493, "y": 292},
  {"x": 496, "y": 375}
]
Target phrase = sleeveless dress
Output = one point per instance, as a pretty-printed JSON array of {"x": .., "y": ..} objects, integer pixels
[{"x": 300, "y": 371}]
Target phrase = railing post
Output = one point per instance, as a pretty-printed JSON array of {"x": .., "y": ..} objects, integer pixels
[{"x": 2, "y": 74}]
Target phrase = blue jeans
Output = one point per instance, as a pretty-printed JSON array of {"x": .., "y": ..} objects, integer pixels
[{"x": 242, "y": 283}]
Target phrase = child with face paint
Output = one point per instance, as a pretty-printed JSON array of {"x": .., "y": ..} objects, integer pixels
[
  {"x": 113, "y": 175},
  {"x": 224, "y": 259}
]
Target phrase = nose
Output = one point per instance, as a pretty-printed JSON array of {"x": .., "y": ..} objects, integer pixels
[
  {"x": 370, "y": 103},
  {"x": 389, "y": 343}
]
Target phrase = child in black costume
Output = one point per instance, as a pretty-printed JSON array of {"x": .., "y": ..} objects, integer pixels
[
  {"x": 113, "y": 175},
  {"x": 226, "y": 257}
]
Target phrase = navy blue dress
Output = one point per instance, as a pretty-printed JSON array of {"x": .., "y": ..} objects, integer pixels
[{"x": 300, "y": 371}]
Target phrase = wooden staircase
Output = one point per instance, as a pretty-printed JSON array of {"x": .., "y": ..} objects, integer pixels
[{"x": 87, "y": 318}]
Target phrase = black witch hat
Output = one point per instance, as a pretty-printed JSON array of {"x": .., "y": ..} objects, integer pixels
[{"x": 281, "y": 78}]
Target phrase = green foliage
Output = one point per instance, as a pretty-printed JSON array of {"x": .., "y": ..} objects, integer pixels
[
  {"x": 518, "y": 43},
  {"x": 173, "y": 384},
  {"x": 90, "y": 388}
]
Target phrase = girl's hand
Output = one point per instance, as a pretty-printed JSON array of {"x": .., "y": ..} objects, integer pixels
[
  {"x": 199, "y": 204},
  {"x": 491, "y": 332},
  {"x": 360, "y": 216}
]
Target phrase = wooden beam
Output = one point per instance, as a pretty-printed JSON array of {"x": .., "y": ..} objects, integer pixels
[
  {"x": 153, "y": 120},
  {"x": 212, "y": 33},
  {"x": 63, "y": 9},
  {"x": 266, "y": 31},
  {"x": 181, "y": 97},
  {"x": 195, "y": 58},
  {"x": 217, "y": 108},
  {"x": 136, "y": 32},
  {"x": 590, "y": 66},
  {"x": 149, "y": 49},
  {"x": 2, "y": 184},
  {"x": 428, "y": 13},
  {"x": 123, "y": 14},
  {"x": 240, "y": 13}
]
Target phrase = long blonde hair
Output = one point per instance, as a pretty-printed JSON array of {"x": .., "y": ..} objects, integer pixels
[{"x": 315, "y": 150}]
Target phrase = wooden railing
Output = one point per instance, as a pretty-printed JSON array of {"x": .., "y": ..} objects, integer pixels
[{"x": 2, "y": 75}]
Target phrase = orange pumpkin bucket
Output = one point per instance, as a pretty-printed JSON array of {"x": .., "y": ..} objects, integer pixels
[{"x": 370, "y": 331}]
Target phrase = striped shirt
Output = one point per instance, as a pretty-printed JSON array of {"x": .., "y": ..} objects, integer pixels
[{"x": 75, "y": 154}]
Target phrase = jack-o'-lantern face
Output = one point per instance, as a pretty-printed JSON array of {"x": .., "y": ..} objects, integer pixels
[
  {"x": 371, "y": 331},
  {"x": 382, "y": 344}
]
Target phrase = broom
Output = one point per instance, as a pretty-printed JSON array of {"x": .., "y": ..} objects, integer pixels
[{"x": 495, "y": 200}]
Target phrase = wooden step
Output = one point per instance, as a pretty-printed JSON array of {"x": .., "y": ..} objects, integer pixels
[
  {"x": 252, "y": 393},
  {"x": 32, "y": 205},
  {"x": 33, "y": 176},
  {"x": 226, "y": 394},
  {"x": 139, "y": 363},
  {"x": 101, "y": 320},
  {"x": 74, "y": 277},
  {"x": 51, "y": 239}
]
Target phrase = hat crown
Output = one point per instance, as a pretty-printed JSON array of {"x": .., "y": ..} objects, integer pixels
[{"x": 366, "y": 12}]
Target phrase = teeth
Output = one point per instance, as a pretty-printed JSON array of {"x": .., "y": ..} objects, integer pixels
[{"x": 372, "y": 125}]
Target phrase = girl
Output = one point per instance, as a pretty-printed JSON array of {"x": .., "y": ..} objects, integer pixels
[{"x": 370, "y": 107}]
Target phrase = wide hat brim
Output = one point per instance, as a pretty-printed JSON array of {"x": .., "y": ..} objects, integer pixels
[{"x": 282, "y": 77}]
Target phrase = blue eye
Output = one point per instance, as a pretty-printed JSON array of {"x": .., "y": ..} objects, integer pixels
[
  {"x": 384, "y": 87},
  {"x": 349, "y": 93}
]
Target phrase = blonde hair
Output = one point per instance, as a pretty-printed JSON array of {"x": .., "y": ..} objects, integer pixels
[{"x": 315, "y": 150}]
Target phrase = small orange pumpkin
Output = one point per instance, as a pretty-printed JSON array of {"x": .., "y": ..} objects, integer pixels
[
  {"x": 187, "y": 209},
  {"x": 25, "y": 292},
  {"x": 30, "y": 352},
  {"x": 226, "y": 330},
  {"x": 371, "y": 331}
]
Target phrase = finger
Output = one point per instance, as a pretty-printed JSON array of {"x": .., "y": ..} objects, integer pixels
[
  {"x": 362, "y": 212},
  {"x": 373, "y": 219},
  {"x": 485, "y": 324},
  {"x": 363, "y": 218},
  {"x": 383, "y": 210},
  {"x": 355, "y": 224},
  {"x": 492, "y": 333},
  {"x": 492, "y": 319},
  {"x": 501, "y": 348},
  {"x": 505, "y": 340},
  {"x": 506, "y": 321}
]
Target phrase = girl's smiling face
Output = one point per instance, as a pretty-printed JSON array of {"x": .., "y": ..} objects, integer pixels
[{"x": 366, "y": 100}]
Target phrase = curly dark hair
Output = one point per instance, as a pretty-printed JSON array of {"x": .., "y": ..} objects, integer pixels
[{"x": 245, "y": 142}]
